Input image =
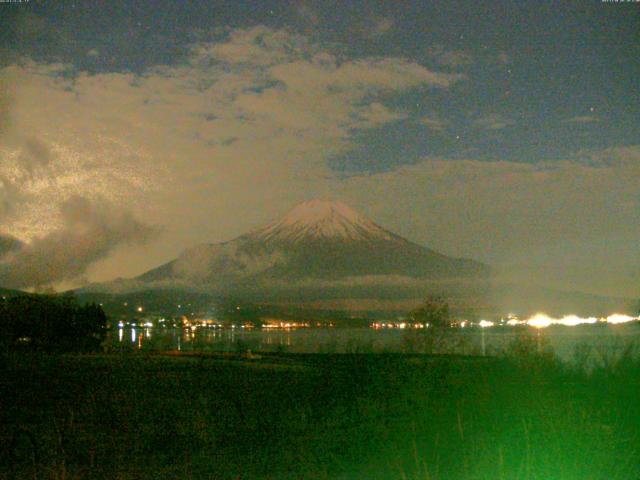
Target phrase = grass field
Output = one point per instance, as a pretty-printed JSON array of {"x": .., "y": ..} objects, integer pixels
[{"x": 356, "y": 416}]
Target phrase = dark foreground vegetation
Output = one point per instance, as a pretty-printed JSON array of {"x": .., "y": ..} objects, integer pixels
[
  {"x": 50, "y": 323},
  {"x": 383, "y": 416}
]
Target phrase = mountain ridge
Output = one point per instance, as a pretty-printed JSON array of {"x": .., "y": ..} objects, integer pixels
[
  {"x": 322, "y": 254},
  {"x": 316, "y": 239}
]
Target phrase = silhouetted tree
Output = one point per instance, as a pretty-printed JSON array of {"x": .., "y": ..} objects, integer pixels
[
  {"x": 435, "y": 315},
  {"x": 51, "y": 323},
  {"x": 434, "y": 311}
]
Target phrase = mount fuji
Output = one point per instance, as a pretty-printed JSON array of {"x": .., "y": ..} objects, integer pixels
[
  {"x": 324, "y": 255},
  {"x": 321, "y": 254},
  {"x": 318, "y": 241}
]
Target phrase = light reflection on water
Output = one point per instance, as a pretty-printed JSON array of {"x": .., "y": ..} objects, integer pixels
[{"x": 563, "y": 340}]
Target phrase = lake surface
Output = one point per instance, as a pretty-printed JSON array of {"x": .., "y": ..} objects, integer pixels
[{"x": 566, "y": 342}]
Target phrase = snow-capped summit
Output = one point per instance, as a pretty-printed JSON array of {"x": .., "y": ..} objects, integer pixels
[
  {"x": 315, "y": 244},
  {"x": 321, "y": 219}
]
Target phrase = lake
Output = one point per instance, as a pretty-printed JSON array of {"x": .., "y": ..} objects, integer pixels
[{"x": 566, "y": 342}]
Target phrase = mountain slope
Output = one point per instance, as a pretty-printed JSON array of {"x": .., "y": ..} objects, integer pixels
[
  {"x": 317, "y": 240},
  {"x": 325, "y": 256},
  {"x": 6, "y": 293}
]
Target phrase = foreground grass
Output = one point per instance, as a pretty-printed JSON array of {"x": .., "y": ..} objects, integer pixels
[{"x": 318, "y": 417}]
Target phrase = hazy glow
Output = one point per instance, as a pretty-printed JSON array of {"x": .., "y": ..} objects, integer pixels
[
  {"x": 573, "y": 320},
  {"x": 619, "y": 318},
  {"x": 540, "y": 320}
]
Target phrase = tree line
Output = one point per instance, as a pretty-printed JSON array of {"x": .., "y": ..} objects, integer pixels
[{"x": 50, "y": 323}]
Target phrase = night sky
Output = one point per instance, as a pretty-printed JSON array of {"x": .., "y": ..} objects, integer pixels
[{"x": 507, "y": 132}]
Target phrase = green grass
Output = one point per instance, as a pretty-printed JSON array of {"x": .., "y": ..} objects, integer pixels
[{"x": 364, "y": 416}]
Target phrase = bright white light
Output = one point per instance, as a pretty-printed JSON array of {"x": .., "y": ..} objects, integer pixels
[
  {"x": 513, "y": 322},
  {"x": 573, "y": 320},
  {"x": 540, "y": 320},
  {"x": 485, "y": 324},
  {"x": 619, "y": 318}
]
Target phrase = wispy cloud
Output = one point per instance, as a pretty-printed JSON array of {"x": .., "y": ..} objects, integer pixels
[
  {"x": 435, "y": 124},
  {"x": 8, "y": 244},
  {"x": 377, "y": 114},
  {"x": 249, "y": 117},
  {"x": 582, "y": 119},
  {"x": 449, "y": 205},
  {"x": 493, "y": 122},
  {"x": 249, "y": 121},
  {"x": 89, "y": 231}
]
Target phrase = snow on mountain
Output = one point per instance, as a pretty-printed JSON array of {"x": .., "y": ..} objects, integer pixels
[
  {"x": 322, "y": 253},
  {"x": 316, "y": 241},
  {"x": 320, "y": 219}
]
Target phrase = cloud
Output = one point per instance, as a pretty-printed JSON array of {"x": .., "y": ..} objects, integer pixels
[
  {"x": 6, "y": 103},
  {"x": 259, "y": 46},
  {"x": 434, "y": 124},
  {"x": 377, "y": 114},
  {"x": 573, "y": 217},
  {"x": 247, "y": 120},
  {"x": 21, "y": 168},
  {"x": 240, "y": 132},
  {"x": 9, "y": 196},
  {"x": 282, "y": 82},
  {"x": 8, "y": 244},
  {"x": 619, "y": 158},
  {"x": 582, "y": 119},
  {"x": 493, "y": 122},
  {"x": 89, "y": 231},
  {"x": 35, "y": 154}
]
